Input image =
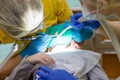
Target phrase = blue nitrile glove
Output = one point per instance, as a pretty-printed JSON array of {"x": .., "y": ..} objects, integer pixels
[
  {"x": 38, "y": 45},
  {"x": 47, "y": 73},
  {"x": 79, "y": 25}
]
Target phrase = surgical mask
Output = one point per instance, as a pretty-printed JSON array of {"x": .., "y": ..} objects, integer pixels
[
  {"x": 86, "y": 13},
  {"x": 91, "y": 15}
]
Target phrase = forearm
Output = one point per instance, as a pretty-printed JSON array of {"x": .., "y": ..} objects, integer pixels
[
  {"x": 22, "y": 71},
  {"x": 9, "y": 66}
]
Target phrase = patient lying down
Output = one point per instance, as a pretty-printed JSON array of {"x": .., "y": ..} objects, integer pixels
[{"x": 83, "y": 64}]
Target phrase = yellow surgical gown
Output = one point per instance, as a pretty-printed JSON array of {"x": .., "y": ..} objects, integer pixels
[{"x": 55, "y": 11}]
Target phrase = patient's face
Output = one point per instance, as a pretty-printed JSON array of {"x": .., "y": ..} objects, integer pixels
[{"x": 73, "y": 45}]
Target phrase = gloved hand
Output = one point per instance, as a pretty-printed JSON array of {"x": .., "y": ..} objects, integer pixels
[
  {"x": 79, "y": 25},
  {"x": 38, "y": 45},
  {"x": 47, "y": 73}
]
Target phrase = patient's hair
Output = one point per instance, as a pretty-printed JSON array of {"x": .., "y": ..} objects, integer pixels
[{"x": 23, "y": 14}]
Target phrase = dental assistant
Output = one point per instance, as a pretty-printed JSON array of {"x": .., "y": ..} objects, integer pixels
[
  {"x": 108, "y": 14},
  {"x": 20, "y": 18}
]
